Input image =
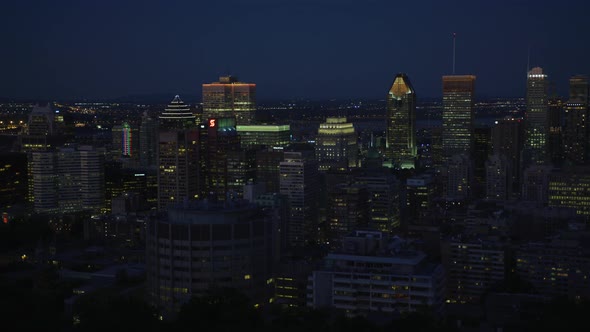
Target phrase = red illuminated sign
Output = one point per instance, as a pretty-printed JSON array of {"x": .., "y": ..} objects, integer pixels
[{"x": 212, "y": 123}]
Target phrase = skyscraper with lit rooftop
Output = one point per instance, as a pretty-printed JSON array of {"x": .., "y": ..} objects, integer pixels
[
  {"x": 458, "y": 113},
  {"x": 336, "y": 144},
  {"x": 536, "y": 119},
  {"x": 401, "y": 120},
  {"x": 229, "y": 98},
  {"x": 178, "y": 149}
]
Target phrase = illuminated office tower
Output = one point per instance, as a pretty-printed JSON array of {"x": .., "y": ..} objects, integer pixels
[
  {"x": 299, "y": 181},
  {"x": 536, "y": 119},
  {"x": 220, "y": 144},
  {"x": 80, "y": 172},
  {"x": 91, "y": 178},
  {"x": 336, "y": 144},
  {"x": 178, "y": 151},
  {"x": 401, "y": 119},
  {"x": 507, "y": 141},
  {"x": 457, "y": 115},
  {"x": 230, "y": 98},
  {"x": 148, "y": 141},
  {"x": 576, "y": 136},
  {"x": 264, "y": 135}
]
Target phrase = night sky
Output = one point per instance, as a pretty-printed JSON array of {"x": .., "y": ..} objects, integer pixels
[{"x": 318, "y": 49}]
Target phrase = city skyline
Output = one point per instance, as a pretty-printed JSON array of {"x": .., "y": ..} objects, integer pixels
[{"x": 290, "y": 49}]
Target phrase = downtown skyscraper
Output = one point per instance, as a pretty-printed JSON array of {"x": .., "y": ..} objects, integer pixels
[
  {"x": 336, "y": 144},
  {"x": 536, "y": 119},
  {"x": 229, "y": 98},
  {"x": 576, "y": 136},
  {"x": 401, "y": 119},
  {"x": 457, "y": 115},
  {"x": 178, "y": 148},
  {"x": 300, "y": 183}
]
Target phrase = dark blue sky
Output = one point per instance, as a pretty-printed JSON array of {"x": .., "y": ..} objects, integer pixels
[{"x": 317, "y": 49}]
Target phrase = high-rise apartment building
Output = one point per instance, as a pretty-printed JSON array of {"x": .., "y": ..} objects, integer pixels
[
  {"x": 373, "y": 272},
  {"x": 457, "y": 115},
  {"x": 230, "y": 98},
  {"x": 401, "y": 119},
  {"x": 336, "y": 144},
  {"x": 536, "y": 119},
  {"x": 70, "y": 179}
]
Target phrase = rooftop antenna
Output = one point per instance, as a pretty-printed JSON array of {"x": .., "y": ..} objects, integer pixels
[
  {"x": 528, "y": 60},
  {"x": 454, "y": 37}
]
